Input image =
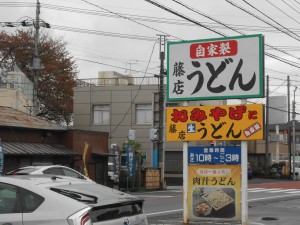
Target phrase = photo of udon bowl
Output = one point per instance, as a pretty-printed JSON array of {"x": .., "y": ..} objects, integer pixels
[
  {"x": 202, "y": 208},
  {"x": 218, "y": 199},
  {"x": 213, "y": 202}
]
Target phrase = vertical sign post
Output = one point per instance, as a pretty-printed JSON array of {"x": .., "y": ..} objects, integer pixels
[
  {"x": 216, "y": 69},
  {"x": 116, "y": 152},
  {"x": 130, "y": 161},
  {"x": 185, "y": 178},
  {"x": 244, "y": 202}
]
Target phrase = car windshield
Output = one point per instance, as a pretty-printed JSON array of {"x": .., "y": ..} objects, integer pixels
[{"x": 22, "y": 171}]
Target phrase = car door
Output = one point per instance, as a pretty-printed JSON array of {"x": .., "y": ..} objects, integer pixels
[
  {"x": 10, "y": 207},
  {"x": 34, "y": 214}
]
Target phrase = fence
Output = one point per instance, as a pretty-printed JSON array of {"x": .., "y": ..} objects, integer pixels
[{"x": 116, "y": 81}]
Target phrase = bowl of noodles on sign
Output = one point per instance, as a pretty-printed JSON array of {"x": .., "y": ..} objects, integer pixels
[
  {"x": 218, "y": 199},
  {"x": 202, "y": 208}
]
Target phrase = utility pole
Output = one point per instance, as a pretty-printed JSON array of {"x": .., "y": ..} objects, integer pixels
[
  {"x": 36, "y": 59},
  {"x": 289, "y": 127},
  {"x": 267, "y": 126},
  {"x": 161, "y": 102},
  {"x": 294, "y": 132}
]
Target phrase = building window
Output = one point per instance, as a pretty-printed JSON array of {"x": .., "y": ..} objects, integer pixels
[
  {"x": 144, "y": 113},
  {"x": 101, "y": 114}
]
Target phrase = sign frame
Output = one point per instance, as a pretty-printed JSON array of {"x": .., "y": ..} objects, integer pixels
[{"x": 260, "y": 93}]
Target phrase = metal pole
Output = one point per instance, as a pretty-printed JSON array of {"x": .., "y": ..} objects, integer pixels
[
  {"x": 289, "y": 128},
  {"x": 36, "y": 59},
  {"x": 244, "y": 184},
  {"x": 277, "y": 144},
  {"x": 161, "y": 103},
  {"x": 267, "y": 126},
  {"x": 1, "y": 159},
  {"x": 185, "y": 178},
  {"x": 294, "y": 133}
]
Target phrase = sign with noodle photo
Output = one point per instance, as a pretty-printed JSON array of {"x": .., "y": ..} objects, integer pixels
[{"x": 214, "y": 192}]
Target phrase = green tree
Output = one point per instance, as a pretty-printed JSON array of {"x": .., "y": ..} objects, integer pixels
[
  {"x": 137, "y": 146},
  {"x": 57, "y": 76}
]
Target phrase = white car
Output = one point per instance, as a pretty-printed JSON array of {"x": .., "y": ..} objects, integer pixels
[
  {"x": 60, "y": 200},
  {"x": 53, "y": 169},
  {"x": 23, "y": 202}
]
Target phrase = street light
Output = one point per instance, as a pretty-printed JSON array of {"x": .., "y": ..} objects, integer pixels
[
  {"x": 25, "y": 23},
  {"x": 30, "y": 23}
]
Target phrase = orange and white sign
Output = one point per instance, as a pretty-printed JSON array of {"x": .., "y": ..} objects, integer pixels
[{"x": 222, "y": 122}]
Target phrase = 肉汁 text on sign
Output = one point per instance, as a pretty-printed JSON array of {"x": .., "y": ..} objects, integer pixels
[
  {"x": 227, "y": 68},
  {"x": 224, "y": 122}
]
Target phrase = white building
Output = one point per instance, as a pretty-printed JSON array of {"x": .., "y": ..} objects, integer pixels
[{"x": 16, "y": 90}]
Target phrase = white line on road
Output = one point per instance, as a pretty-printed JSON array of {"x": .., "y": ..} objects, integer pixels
[
  {"x": 280, "y": 196},
  {"x": 156, "y": 196},
  {"x": 157, "y": 213},
  {"x": 293, "y": 192},
  {"x": 266, "y": 189},
  {"x": 284, "y": 190},
  {"x": 255, "y": 188},
  {"x": 255, "y": 223},
  {"x": 249, "y": 200}
]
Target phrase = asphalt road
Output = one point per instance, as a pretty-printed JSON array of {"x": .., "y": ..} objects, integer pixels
[{"x": 270, "y": 201}]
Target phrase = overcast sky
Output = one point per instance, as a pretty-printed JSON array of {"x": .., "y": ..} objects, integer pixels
[{"x": 121, "y": 35}]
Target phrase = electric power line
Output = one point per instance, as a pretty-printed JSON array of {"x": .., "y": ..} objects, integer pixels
[
  {"x": 227, "y": 26},
  {"x": 118, "y": 67},
  {"x": 295, "y": 36},
  {"x": 136, "y": 93},
  {"x": 127, "y": 18},
  {"x": 293, "y": 8},
  {"x": 291, "y": 63}
]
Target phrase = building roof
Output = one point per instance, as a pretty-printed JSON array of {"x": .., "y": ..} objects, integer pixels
[
  {"x": 22, "y": 148},
  {"x": 272, "y": 127},
  {"x": 10, "y": 117}
]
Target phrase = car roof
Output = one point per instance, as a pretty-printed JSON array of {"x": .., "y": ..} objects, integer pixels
[
  {"x": 32, "y": 170},
  {"x": 27, "y": 183},
  {"x": 44, "y": 167},
  {"x": 105, "y": 195},
  {"x": 39, "y": 179}
]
